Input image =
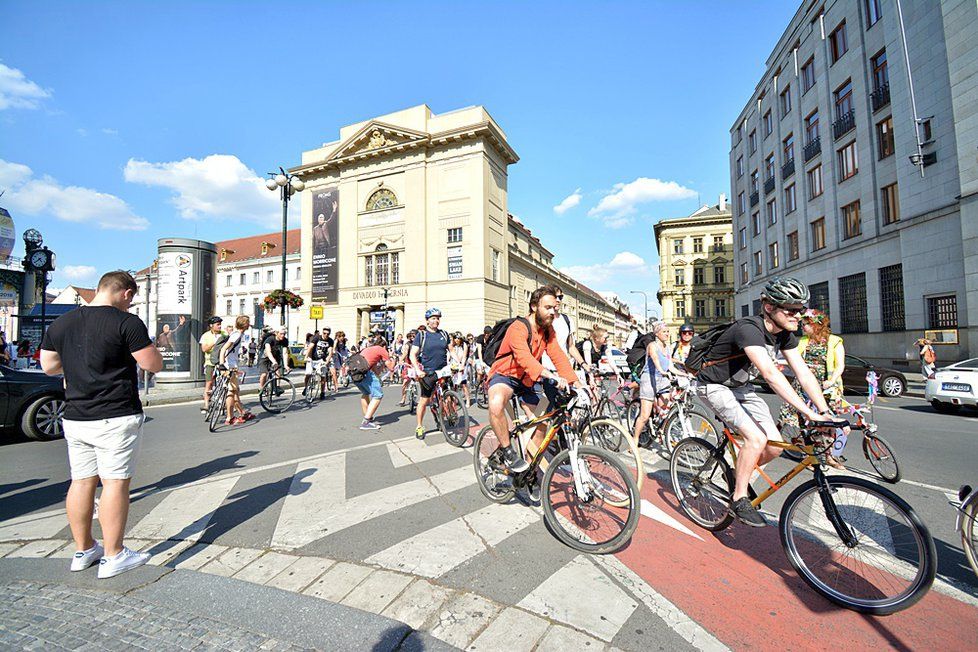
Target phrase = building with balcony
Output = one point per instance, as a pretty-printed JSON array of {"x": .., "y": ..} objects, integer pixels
[
  {"x": 876, "y": 203},
  {"x": 696, "y": 267}
]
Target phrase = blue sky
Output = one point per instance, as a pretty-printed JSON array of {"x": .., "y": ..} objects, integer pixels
[{"x": 123, "y": 122}]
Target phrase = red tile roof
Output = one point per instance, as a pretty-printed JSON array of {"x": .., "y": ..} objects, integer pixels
[
  {"x": 86, "y": 294},
  {"x": 250, "y": 247}
]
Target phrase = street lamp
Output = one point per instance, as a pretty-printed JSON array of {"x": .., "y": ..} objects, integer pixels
[
  {"x": 644, "y": 294},
  {"x": 288, "y": 184}
]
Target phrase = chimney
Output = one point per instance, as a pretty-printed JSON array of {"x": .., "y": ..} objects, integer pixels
[{"x": 723, "y": 203}]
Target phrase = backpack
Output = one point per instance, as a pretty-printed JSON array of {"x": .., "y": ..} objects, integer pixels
[
  {"x": 358, "y": 367},
  {"x": 215, "y": 353},
  {"x": 424, "y": 334},
  {"x": 494, "y": 340},
  {"x": 700, "y": 346},
  {"x": 635, "y": 356},
  {"x": 929, "y": 356}
]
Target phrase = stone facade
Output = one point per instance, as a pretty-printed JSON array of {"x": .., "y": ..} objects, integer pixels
[
  {"x": 696, "y": 267},
  {"x": 444, "y": 225},
  {"x": 909, "y": 265}
]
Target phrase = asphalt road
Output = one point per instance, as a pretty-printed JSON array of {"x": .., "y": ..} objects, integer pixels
[{"x": 264, "y": 506}]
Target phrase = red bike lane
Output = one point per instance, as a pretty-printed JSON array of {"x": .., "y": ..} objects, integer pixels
[{"x": 739, "y": 586}]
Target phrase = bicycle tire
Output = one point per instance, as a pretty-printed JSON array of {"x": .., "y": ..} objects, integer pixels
[
  {"x": 646, "y": 437},
  {"x": 412, "y": 396},
  {"x": 880, "y": 455},
  {"x": 211, "y": 403},
  {"x": 874, "y": 539},
  {"x": 969, "y": 531},
  {"x": 581, "y": 518},
  {"x": 492, "y": 482},
  {"x": 453, "y": 418},
  {"x": 633, "y": 452},
  {"x": 277, "y": 403},
  {"x": 673, "y": 430},
  {"x": 607, "y": 437},
  {"x": 221, "y": 395},
  {"x": 482, "y": 396},
  {"x": 705, "y": 499}
]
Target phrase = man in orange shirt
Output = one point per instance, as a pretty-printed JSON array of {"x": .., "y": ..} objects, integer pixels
[{"x": 517, "y": 367}]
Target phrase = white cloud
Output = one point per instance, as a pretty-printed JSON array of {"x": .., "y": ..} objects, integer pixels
[
  {"x": 110, "y": 132},
  {"x": 569, "y": 202},
  {"x": 617, "y": 207},
  {"x": 624, "y": 264},
  {"x": 19, "y": 92},
  {"x": 33, "y": 196},
  {"x": 218, "y": 186},
  {"x": 81, "y": 131},
  {"x": 78, "y": 272}
]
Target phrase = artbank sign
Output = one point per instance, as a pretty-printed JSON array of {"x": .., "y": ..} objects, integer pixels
[{"x": 175, "y": 284}]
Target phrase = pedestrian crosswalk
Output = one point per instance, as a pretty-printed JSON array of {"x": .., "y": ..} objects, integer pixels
[{"x": 331, "y": 531}]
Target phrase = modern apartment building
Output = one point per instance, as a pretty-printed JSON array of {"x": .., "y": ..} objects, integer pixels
[
  {"x": 696, "y": 267},
  {"x": 862, "y": 183}
]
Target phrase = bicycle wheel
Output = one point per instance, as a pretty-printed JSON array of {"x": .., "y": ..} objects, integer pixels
[
  {"x": 219, "y": 399},
  {"x": 454, "y": 418},
  {"x": 683, "y": 423},
  {"x": 602, "y": 430},
  {"x": 702, "y": 484},
  {"x": 880, "y": 455},
  {"x": 495, "y": 484},
  {"x": 969, "y": 531},
  {"x": 589, "y": 522},
  {"x": 890, "y": 561},
  {"x": 412, "y": 397},
  {"x": 482, "y": 395},
  {"x": 212, "y": 404},
  {"x": 277, "y": 395}
]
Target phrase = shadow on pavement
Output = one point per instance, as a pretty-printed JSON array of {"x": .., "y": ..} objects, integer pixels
[
  {"x": 14, "y": 486},
  {"x": 194, "y": 473},
  {"x": 33, "y": 500}
]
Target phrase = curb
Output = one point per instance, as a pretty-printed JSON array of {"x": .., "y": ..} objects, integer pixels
[{"x": 160, "y": 398}]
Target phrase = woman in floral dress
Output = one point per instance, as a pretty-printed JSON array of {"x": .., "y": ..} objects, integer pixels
[{"x": 825, "y": 355}]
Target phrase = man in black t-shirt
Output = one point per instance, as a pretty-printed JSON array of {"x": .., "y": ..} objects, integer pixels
[
  {"x": 745, "y": 351},
  {"x": 97, "y": 348}
]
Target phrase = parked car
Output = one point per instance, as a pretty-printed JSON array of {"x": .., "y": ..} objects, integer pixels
[
  {"x": 616, "y": 358},
  {"x": 297, "y": 356},
  {"x": 953, "y": 386},
  {"x": 32, "y": 402},
  {"x": 890, "y": 381}
]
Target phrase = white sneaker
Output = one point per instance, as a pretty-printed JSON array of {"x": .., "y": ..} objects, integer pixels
[
  {"x": 125, "y": 560},
  {"x": 83, "y": 559}
]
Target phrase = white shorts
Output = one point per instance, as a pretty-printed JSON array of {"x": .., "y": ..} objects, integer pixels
[
  {"x": 314, "y": 366},
  {"x": 106, "y": 447},
  {"x": 738, "y": 406}
]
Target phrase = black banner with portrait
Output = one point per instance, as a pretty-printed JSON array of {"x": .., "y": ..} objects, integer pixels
[
  {"x": 173, "y": 341},
  {"x": 325, "y": 235}
]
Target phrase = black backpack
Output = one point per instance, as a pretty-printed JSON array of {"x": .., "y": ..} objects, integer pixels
[
  {"x": 490, "y": 348},
  {"x": 215, "y": 352},
  {"x": 358, "y": 367},
  {"x": 701, "y": 345},
  {"x": 635, "y": 356}
]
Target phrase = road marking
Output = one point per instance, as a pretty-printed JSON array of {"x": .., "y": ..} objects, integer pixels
[
  {"x": 184, "y": 514},
  {"x": 315, "y": 485},
  {"x": 434, "y": 552},
  {"x": 571, "y": 594},
  {"x": 341, "y": 515},
  {"x": 415, "y": 451},
  {"x": 656, "y": 514}
]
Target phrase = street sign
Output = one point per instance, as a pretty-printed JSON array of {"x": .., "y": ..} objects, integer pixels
[
  {"x": 379, "y": 316},
  {"x": 315, "y": 312}
]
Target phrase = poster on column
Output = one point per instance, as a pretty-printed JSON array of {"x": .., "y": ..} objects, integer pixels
[
  {"x": 325, "y": 235},
  {"x": 173, "y": 313}
]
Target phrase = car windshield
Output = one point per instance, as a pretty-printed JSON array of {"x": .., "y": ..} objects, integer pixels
[{"x": 967, "y": 364}]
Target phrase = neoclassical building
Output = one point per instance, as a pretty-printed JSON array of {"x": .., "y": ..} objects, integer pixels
[
  {"x": 414, "y": 205},
  {"x": 696, "y": 283}
]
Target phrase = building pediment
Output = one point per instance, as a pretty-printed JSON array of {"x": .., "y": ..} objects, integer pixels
[
  {"x": 375, "y": 139},
  {"x": 679, "y": 262},
  {"x": 719, "y": 260}
]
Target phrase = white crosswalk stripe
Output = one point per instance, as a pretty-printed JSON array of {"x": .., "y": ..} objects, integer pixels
[
  {"x": 416, "y": 451},
  {"x": 436, "y": 551},
  {"x": 315, "y": 485},
  {"x": 184, "y": 513}
]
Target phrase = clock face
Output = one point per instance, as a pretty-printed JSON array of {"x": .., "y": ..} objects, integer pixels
[{"x": 38, "y": 259}]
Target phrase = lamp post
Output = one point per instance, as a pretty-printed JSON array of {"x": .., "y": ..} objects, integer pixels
[
  {"x": 288, "y": 184},
  {"x": 644, "y": 294}
]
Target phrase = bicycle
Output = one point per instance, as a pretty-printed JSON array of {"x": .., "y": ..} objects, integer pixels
[
  {"x": 217, "y": 406},
  {"x": 614, "y": 404},
  {"x": 967, "y": 523},
  {"x": 449, "y": 410},
  {"x": 677, "y": 421},
  {"x": 312, "y": 386},
  {"x": 590, "y": 501},
  {"x": 277, "y": 393},
  {"x": 850, "y": 539},
  {"x": 482, "y": 391}
]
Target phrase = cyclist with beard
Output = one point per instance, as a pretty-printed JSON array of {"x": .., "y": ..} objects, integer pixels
[{"x": 518, "y": 367}]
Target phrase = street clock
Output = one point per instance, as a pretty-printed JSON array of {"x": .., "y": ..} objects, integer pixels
[{"x": 41, "y": 260}]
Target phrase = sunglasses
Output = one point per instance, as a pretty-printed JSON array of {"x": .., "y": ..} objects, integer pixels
[{"x": 793, "y": 311}]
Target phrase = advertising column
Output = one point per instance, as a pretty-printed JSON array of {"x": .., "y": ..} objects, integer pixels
[{"x": 185, "y": 299}]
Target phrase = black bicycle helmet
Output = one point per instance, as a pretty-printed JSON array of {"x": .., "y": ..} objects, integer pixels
[
  {"x": 686, "y": 328},
  {"x": 215, "y": 320},
  {"x": 785, "y": 289}
]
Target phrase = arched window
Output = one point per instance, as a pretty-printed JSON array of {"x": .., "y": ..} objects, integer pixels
[
  {"x": 381, "y": 267},
  {"x": 381, "y": 199}
]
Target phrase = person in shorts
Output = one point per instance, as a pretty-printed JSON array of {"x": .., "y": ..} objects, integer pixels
[
  {"x": 655, "y": 381},
  {"x": 429, "y": 354},
  {"x": 97, "y": 347},
  {"x": 371, "y": 389},
  {"x": 314, "y": 364},
  {"x": 231, "y": 360},
  {"x": 213, "y": 337}
]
